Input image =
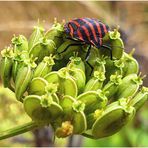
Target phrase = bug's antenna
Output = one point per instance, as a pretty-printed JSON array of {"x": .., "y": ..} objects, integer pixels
[
  {"x": 118, "y": 27},
  {"x": 55, "y": 20},
  {"x": 38, "y": 21},
  {"x": 63, "y": 21}
]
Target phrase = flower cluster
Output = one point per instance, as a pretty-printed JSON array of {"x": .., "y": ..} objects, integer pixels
[{"x": 58, "y": 87}]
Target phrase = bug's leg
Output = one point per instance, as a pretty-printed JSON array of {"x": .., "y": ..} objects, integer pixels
[
  {"x": 109, "y": 49},
  {"x": 72, "y": 39},
  {"x": 77, "y": 41},
  {"x": 87, "y": 58},
  {"x": 70, "y": 46},
  {"x": 69, "y": 38}
]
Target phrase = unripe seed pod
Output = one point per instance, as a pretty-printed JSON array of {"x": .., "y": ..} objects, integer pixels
[
  {"x": 42, "y": 109},
  {"x": 112, "y": 119},
  {"x": 91, "y": 118},
  {"x": 131, "y": 64},
  {"x": 76, "y": 69},
  {"x": 66, "y": 103},
  {"x": 79, "y": 117},
  {"x": 117, "y": 44},
  {"x": 117, "y": 48},
  {"x": 42, "y": 48},
  {"x": 56, "y": 33},
  {"x": 76, "y": 62},
  {"x": 79, "y": 77},
  {"x": 111, "y": 35},
  {"x": 20, "y": 43},
  {"x": 70, "y": 105},
  {"x": 19, "y": 57},
  {"x": 92, "y": 60},
  {"x": 93, "y": 100},
  {"x": 67, "y": 86},
  {"x": 129, "y": 86},
  {"x": 44, "y": 67},
  {"x": 100, "y": 64},
  {"x": 37, "y": 86},
  {"x": 141, "y": 97},
  {"x": 95, "y": 82},
  {"x": 23, "y": 78},
  {"x": 6, "y": 64},
  {"x": 52, "y": 77},
  {"x": 113, "y": 40},
  {"x": 35, "y": 36},
  {"x": 52, "y": 89},
  {"x": 112, "y": 67},
  {"x": 112, "y": 86},
  {"x": 73, "y": 115},
  {"x": 15, "y": 68},
  {"x": 93, "y": 56}
]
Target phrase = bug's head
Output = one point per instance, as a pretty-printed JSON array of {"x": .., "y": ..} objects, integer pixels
[{"x": 67, "y": 29}]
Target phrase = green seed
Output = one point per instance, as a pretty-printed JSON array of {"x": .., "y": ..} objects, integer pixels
[
  {"x": 114, "y": 117},
  {"x": 37, "y": 86},
  {"x": 93, "y": 100},
  {"x": 141, "y": 97},
  {"x": 55, "y": 34},
  {"x": 6, "y": 64},
  {"x": 23, "y": 79},
  {"x": 42, "y": 108},
  {"x": 131, "y": 64},
  {"x": 112, "y": 86},
  {"x": 129, "y": 86},
  {"x": 42, "y": 48},
  {"x": 67, "y": 86},
  {"x": 52, "y": 77},
  {"x": 44, "y": 67},
  {"x": 35, "y": 36},
  {"x": 73, "y": 113},
  {"x": 96, "y": 82},
  {"x": 20, "y": 43},
  {"x": 76, "y": 62},
  {"x": 113, "y": 67},
  {"x": 79, "y": 77}
]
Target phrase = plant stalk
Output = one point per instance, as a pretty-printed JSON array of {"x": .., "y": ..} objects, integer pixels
[{"x": 18, "y": 130}]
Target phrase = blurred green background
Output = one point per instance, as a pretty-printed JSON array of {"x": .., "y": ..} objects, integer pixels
[{"x": 20, "y": 17}]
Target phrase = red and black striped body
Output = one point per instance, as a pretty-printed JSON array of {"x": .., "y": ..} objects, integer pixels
[{"x": 90, "y": 31}]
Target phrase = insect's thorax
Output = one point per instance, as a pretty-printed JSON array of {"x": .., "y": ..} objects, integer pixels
[{"x": 90, "y": 31}]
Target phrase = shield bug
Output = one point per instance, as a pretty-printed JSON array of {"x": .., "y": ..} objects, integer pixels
[{"x": 86, "y": 31}]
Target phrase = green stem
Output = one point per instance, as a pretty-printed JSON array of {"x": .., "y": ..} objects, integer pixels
[{"x": 18, "y": 130}]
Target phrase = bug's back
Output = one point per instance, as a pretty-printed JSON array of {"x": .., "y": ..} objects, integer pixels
[{"x": 88, "y": 30}]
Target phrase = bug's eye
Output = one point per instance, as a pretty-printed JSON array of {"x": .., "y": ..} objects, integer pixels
[{"x": 68, "y": 25}]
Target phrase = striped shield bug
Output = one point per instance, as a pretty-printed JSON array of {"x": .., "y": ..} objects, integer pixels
[{"x": 86, "y": 31}]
